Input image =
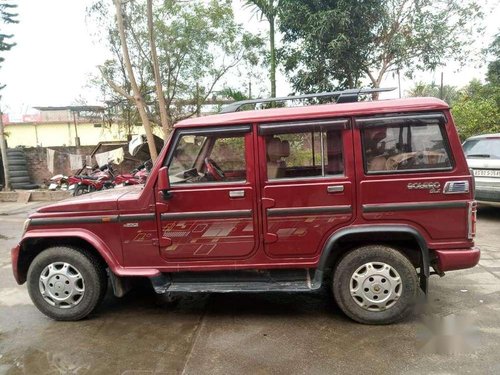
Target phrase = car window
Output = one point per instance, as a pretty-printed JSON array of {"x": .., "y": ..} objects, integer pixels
[
  {"x": 185, "y": 153},
  {"x": 198, "y": 159},
  {"x": 404, "y": 147},
  {"x": 304, "y": 154},
  {"x": 483, "y": 148}
]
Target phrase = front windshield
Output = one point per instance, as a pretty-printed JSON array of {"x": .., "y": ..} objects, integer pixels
[{"x": 485, "y": 148}]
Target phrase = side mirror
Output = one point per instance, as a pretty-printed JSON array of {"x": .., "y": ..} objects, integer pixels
[{"x": 164, "y": 182}]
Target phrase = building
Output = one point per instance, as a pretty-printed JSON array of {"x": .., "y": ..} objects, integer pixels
[{"x": 63, "y": 126}]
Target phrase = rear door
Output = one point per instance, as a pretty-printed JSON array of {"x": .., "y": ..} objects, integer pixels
[
  {"x": 210, "y": 212},
  {"x": 409, "y": 174},
  {"x": 307, "y": 180}
]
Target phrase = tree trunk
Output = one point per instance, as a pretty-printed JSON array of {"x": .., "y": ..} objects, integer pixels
[
  {"x": 162, "y": 104},
  {"x": 3, "y": 150},
  {"x": 139, "y": 101},
  {"x": 273, "y": 57}
]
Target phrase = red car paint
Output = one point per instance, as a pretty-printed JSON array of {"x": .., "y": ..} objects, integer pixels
[{"x": 139, "y": 232}]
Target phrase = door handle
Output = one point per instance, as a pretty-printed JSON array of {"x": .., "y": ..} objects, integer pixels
[
  {"x": 335, "y": 189},
  {"x": 237, "y": 194}
]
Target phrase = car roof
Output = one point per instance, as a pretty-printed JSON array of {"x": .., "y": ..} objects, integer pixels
[
  {"x": 317, "y": 111},
  {"x": 484, "y": 136}
]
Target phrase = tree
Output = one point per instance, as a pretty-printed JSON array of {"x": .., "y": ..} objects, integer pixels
[
  {"x": 162, "y": 104},
  {"x": 477, "y": 109},
  {"x": 493, "y": 73},
  {"x": 269, "y": 9},
  {"x": 137, "y": 97},
  {"x": 421, "y": 35},
  {"x": 449, "y": 93},
  {"x": 326, "y": 42},
  {"x": 344, "y": 42},
  {"x": 7, "y": 16},
  {"x": 197, "y": 43}
]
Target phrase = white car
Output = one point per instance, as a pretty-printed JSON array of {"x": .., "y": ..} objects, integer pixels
[{"x": 483, "y": 157}]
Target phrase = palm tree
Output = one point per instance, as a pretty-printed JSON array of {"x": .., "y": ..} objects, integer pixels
[{"x": 268, "y": 9}]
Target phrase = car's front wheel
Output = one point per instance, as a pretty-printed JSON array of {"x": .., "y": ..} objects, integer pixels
[
  {"x": 375, "y": 285},
  {"x": 66, "y": 283}
]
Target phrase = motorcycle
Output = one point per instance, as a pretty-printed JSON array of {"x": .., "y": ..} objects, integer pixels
[
  {"x": 136, "y": 177},
  {"x": 58, "y": 182},
  {"x": 100, "y": 179}
]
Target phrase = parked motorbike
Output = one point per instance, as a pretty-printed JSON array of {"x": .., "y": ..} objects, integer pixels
[
  {"x": 136, "y": 177},
  {"x": 101, "y": 179},
  {"x": 58, "y": 182}
]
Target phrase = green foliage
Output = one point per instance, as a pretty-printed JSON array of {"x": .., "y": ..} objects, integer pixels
[
  {"x": 269, "y": 9},
  {"x": 197, "y": 42},
  {"x": 7, "y": 16},
  {"x": 234, "y": 94},
  {"x": 421, "y": 89},
  {"x": 326, "y": 42},
  {"x": 335, "y": 44},
  {"x": 422, "y": 34},
  {"x": 493, "y": 74},
  {"x": 477, "y": 110}
]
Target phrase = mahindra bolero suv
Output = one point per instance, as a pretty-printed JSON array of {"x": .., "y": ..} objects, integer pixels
[{"x": 369, "y": 198}]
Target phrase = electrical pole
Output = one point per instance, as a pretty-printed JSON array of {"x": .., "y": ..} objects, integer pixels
[
  {"x": 399, "y": 84},
  {"x": 441, "y": 88},
  {"x": 3, "y": 150}
]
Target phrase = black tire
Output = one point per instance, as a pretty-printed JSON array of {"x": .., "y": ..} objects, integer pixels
[
  {"x": 14, "y": 168},
  {"x": 20, "y": 180},
  {"x": 24, "y": 186},
  {"x": 94, "y": 280},
  {"x": 398, "y": 306},
  {"x": 80, "y": 190},
  {"x": 15, "y": 153},
  {"x": 17, "y": 162},
  {"x": 21, "y": 173}
]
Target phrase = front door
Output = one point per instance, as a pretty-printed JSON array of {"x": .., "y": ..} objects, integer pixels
[
  {"x": 210, "y": 211},
  {"x": 308, "y": 185}
]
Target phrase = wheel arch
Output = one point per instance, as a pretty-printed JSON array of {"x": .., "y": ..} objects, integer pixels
[
  {"x": 405, "y": 238},
  {"x": 34, "y": 243}
]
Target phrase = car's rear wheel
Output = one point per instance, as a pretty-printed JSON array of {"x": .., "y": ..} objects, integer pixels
[
  {"x": 375, "y": 285},
  {"x": 65, "y": 283}
]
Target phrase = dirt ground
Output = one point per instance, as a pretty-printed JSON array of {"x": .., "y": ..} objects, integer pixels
[{"x": 459, "y": 332}]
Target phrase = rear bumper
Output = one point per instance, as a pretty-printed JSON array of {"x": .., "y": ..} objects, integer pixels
[
  {"x": 14, "y": 255},
  {"x": 450, "y": 260}
]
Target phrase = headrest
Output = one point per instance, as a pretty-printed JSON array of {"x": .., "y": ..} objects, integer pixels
[
  {"x": 274, "y": 149},
  {"x": 285, "y": 149}
]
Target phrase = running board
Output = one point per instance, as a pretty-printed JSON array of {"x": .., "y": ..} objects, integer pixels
[{"x": 297, "y": 280}]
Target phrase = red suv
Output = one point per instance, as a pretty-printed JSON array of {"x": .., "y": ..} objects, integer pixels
[{"x": 367, "y": 197}]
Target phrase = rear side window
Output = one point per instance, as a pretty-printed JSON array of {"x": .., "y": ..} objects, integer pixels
[
  {"x": 404, "y": 144},
  {"x": 304, "y": 149}
]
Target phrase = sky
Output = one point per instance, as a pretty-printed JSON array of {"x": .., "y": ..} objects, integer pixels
[{"x": 56, "y": 54}]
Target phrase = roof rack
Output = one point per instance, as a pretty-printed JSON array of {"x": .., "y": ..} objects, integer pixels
[{"x": 345, "y": 96}]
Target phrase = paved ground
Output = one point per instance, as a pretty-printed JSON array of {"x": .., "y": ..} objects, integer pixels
[{"x": 251, "y": 334}]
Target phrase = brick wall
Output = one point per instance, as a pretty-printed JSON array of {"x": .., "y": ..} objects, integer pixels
[{"x": 37, "y": 161}]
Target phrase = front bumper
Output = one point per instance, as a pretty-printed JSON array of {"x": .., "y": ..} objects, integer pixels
[
  {"x": 14, "y": 255},
  {"x": 451, "y": 260}
]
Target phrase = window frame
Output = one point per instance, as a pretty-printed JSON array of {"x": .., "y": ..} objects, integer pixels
[
  {"x": 404, "y": 119},
  {"x": 217, "y": 131},
  {"x": 305, "y": 126}
]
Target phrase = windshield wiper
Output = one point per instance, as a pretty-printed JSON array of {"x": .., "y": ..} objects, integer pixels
[{"x": 479, "y": 156}]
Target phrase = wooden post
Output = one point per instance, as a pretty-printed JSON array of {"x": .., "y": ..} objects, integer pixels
[{"x": 3, "y": 150}]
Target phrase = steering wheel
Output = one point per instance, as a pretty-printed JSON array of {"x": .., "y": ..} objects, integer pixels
[
  {"x": 214, "y": 170},
  {"x": 407, "y": 159}
]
